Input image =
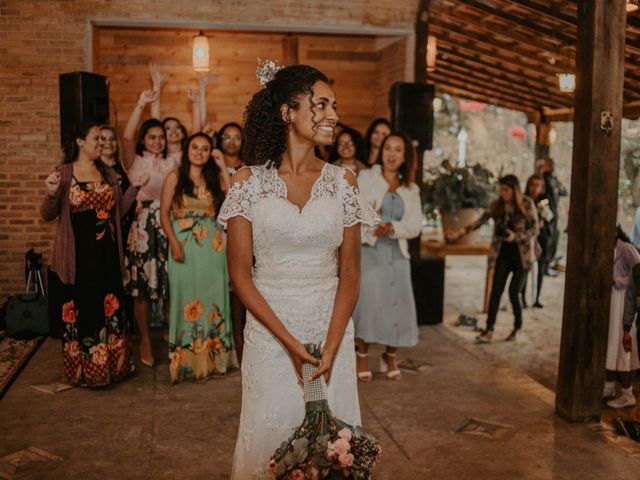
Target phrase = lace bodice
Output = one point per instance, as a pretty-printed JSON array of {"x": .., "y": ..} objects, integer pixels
[{"x": 289, "y": 242}]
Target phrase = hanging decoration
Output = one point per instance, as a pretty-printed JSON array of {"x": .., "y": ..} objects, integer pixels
[{"x": 201, "y": 53}]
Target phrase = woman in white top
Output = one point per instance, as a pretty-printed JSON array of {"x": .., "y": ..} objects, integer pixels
[{"x": 386, "y": 311}]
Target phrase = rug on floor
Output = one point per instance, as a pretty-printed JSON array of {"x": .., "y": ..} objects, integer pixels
[{"x": 13, "y": 355}]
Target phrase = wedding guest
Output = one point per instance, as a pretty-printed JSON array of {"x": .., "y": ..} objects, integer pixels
[
  {"x": 554, "y": 191},
  {"x": 376, "y": 133},
  {"x": 230, "y": 144},
  {"x": 535, "y": 191},
  {"x": 87, "y": 262},
  {"x": 200, "y": 330},
  {"x": 630, "y": 323},
  {"x": 635, "y": 234},
  {"x": 112, "y": 157},
  {"x": 512, "y": 249},
  {"x": 147, "y": 246},
  {"x": 621, "y": 360},
  {"x": 348, "y": 151},
  {"x": 386, "y": 312},
  {"x": 175, "y": 131}
]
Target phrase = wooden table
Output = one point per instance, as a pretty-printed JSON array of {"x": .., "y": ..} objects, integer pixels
[{"x": 442, "y": 250}]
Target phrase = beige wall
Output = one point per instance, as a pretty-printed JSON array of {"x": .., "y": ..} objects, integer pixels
[{"x": 40, "y": 39}]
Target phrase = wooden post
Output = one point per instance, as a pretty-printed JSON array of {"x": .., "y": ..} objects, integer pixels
[
  {"x": 420, "y": 76},
  {"x": 592, "y": 217},
  {"x": 543, "y": 129},
  {"x": 290, "y": 50},
  {"x": 422, "y": 32}
]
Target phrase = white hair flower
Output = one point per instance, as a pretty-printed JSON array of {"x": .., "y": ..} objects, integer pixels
[{"x": 266, "y": 70}]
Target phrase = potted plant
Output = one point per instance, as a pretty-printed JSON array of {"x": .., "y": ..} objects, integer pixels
[{"x": 459, "y": 194}]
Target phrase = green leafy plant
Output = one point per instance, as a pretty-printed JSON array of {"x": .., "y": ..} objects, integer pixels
[{"x": 452, "y": 188}]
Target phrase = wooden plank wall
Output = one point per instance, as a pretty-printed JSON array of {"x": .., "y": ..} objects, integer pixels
[{"x": 352, "y": 63}]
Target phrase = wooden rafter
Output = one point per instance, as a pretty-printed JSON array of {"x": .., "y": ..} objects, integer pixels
[{"x": 507, "y": 48}]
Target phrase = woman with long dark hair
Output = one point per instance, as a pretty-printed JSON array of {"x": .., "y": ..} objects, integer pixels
[
  {"x": 348, "y": 151},
  {"x": 376, "y": 133},
  {"x": 87, "y": 262},
  {"x": 200, "y": 330},
  {"x": 111, "y": 155},
  {"x": 386, "y": 312},
  {"x": 299, "y": 218},
  {"x": 535, "y": 191},
  {"x": 147, "y": 246},
  {"x": 512, "y": 249}
]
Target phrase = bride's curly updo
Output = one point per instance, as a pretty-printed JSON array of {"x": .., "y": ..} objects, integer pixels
[{"x": 265, "y": 131}]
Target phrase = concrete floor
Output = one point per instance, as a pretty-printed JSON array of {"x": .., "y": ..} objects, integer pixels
[{"x": 145, "y": 428}]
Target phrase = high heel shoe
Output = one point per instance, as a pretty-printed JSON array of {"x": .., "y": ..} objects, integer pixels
[
  {"x": 365, "y": 375},
  {"x": 146, "y": 363},
  {"x": 394, "y": 374}
]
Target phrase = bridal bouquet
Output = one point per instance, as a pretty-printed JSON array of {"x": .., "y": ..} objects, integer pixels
[{"x": 323, "y": 447}]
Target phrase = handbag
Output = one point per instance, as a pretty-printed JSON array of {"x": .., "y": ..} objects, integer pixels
[{"x": 27, "y": 315}]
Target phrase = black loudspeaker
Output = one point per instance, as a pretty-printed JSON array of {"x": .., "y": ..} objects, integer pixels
[
  {"x": 427, "y": 276},
  {"x": 412, "y": 111},
  {"x": 84, "y": 97}
]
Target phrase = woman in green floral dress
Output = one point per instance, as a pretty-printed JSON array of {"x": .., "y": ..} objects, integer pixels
[{"x": 200, "y": 330}]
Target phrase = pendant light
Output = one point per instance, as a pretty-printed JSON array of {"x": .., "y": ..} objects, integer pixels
[{"x": 200, "y": 53}]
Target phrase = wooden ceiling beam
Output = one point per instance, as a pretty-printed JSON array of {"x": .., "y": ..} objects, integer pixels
[
  {"x": 532, "y": 77},
  {"x": 548, "y": 12},
  {"x": 444, "y": 36},
  {"x": 472, "y": 44},
  {"x": 455, "y": 16},
  {"x": 520, "y": 85},
  {"x": 463, "y": 94},
  {"x": 489, "y": 93},
  {"x": 497, "y": 86},
  {"x": 518, "y": 21}
]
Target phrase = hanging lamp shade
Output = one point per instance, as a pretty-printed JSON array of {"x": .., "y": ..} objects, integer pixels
[
  {"x": 200, "y": 53},
  {"x": 432, "y": 51},
  {"x": 567, "y": 82},
  {"x": 632, "y": 5}
]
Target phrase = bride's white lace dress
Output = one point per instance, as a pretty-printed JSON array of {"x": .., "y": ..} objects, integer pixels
[{"x": 296, "y": 271}]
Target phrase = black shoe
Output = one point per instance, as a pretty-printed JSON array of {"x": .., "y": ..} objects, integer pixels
[
  {"x": 550, "y": 273},
  {"x": 538, "y": 305}
]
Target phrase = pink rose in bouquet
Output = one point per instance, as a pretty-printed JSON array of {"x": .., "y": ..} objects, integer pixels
[{"x": 346, "y": 460}]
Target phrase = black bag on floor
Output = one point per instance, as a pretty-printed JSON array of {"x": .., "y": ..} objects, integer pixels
[{"x": 27, "y": 315}]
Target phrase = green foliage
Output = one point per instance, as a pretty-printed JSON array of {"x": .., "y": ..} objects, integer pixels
[{"x": 453, "y": 188}]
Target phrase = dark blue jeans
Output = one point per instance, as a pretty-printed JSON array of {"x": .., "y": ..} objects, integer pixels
[{"x": 507, "y": 263}]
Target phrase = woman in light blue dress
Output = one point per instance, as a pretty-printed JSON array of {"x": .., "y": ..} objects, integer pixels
[{"x": 386, "y": 312}]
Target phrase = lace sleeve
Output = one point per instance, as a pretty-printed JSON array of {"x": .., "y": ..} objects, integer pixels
[
  {"x": 239, "y": 201},
  {"x": 355, "y": 208}
]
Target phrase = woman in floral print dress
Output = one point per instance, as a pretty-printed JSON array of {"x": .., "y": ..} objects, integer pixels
[
  {"x": 200, "y": 329},
  {"x": 83, "y": 193}
]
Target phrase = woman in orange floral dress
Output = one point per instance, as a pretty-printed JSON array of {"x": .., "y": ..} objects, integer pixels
[
  {"x": 87, "y": 263},
  {"x": 200, "y": 328}
]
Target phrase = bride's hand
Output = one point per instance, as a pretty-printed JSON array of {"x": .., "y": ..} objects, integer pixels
[
  {"x": 299, "y": 355},
  {"x": 326, "y": 365}
]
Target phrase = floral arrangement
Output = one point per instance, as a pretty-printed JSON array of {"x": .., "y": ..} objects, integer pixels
[
  {"x": 323, "y": 447},
  {"x": 266, "y": 70},
  {"x": 452, "y": 188}
]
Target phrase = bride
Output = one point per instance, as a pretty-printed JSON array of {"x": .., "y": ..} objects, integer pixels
[{"x": 299, "y": 217}]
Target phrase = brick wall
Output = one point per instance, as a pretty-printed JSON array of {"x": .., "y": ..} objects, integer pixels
[{"x": 40, "y": 39}]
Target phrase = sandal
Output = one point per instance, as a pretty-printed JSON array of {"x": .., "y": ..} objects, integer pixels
[
  {"x": 365, "y": 375},
  {"x": 394, "y": 374}
]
